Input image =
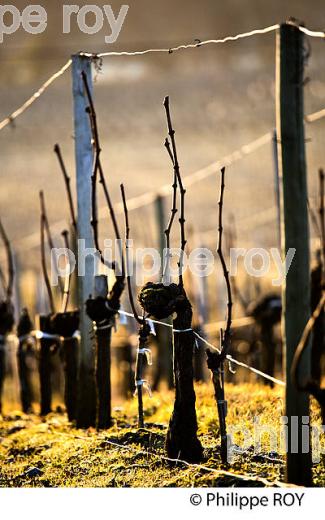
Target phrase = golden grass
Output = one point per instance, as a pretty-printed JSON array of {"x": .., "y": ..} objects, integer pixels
[{"x": 64, "y": 456}]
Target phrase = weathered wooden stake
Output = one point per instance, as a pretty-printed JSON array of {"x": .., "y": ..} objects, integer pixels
[
  {"x": 65, "y": 325},
  {"x": 70, "y": 352},
  {"x": 164, "y": 334},
  {"x": 277, "y": 183},
  {"x": 86, "y": 415},
  {"x": 295, "y": 234},
  {"x": 45, "y": 375},
  {"x": 103, "y": 365},
  {"x": 25, "y": 348},
  {"x": 2, "y": 367}
]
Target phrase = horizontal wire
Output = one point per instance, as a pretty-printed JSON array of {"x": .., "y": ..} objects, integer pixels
[
  {"x": 316, "y": 116},
  {"x": 137, "y": 202},
  {"x": 218, "y": 325},
  {"x": 35, "y": 96},
  {"x": 229, "y": 358},
  {"x": 59, "y": 73},
  {"x": 127, "y": 446},
  {"x": 313, "y": 34},
  {"x": 241, "y": 322},
  {"x": 147, "y": 198},
  {"x": 171, "y": 50},
  {"x": 56, "y": 75},
  {"x": 219, "y": 472}
]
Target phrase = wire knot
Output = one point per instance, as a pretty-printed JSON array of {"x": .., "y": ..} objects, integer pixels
[{"x": 143, "y": 383}]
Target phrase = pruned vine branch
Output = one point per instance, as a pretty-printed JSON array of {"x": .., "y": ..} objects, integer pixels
[
  {"x": 97, "y": 150},
  {"x": 172, "y": 151},
  {"x": 311, "y": 384},
  {"x": 3, "y": 280},
  {"x": 226, "y": 334},
  {"x": 44, "y": 225},
  {"x": 97, "y": 168},
  {"x": 67, "y": 181},
  {"x": 322, "y": 216},
  {"x": 127, "y": 238},
  {"x": 47, "y": 231},
  {"x": 304, "y": 342},
  {"x": 144, "y": 329},
  {"x": 313, "y": 218},
  {"x": 232, "y": 239},
  {"x": 46, "y": 221},
  {"x": 67, "y": 278},
  {"x": 10, "y": 283},
  {"x": 216, "y": 360},
  {"x": 172, "y": 216}
]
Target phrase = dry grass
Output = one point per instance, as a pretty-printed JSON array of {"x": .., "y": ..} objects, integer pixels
[{"x": 50, "y": 452}]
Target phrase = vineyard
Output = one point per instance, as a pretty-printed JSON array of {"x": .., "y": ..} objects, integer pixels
[
  {"x": 49, "y": 453},
  {"x": 153, "y": 323}
]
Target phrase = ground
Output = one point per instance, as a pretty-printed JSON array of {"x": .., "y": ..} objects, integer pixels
[{"x": 50, "y": 452}]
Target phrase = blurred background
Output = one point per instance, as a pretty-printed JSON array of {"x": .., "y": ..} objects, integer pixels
[{"x": 222, "y": 97}]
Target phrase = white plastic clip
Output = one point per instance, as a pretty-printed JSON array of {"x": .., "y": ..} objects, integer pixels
[
  {"x": 146, "y": 352},
  {"x": 39, "y": 334},
  {"x": 123, "y": 317},
  {"x": 104, "y": 324},
  {"x": 152, "y": 327},
  {"x": 77, "y": 335},
  {"x": 230, "y": 367},
  {"x": 144, "y": 384}
]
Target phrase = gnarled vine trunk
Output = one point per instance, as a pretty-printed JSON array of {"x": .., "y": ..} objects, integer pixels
[
  {"x": 182, "y": 441},
  {"x": 161, "y": 301},
  {"x": 25, "y": 349},
  {"x": 2, "y": 369},
  {"x": 102, "y": 311},
  {"x": 6, "y": 325},
  {"x": 66, "y": 324},
  {"x": 44, "y": 366}
]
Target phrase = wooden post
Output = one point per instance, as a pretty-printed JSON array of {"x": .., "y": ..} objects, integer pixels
[
  {"x": 86, "y": 414},
  {"x": 26, "y": 393},
  {"x": 45, "y": 372},
  {"x": 103, "y": 365},
  {"x": 2, "y": 366},
  {"x": 25, "y": 349},
  {"x": 70, "y": 352},
  {"x": 277, "y": 183},
  {"x": 73, "y": 297},
  {"x": 65, "y": 324},
  {"x": 295, "y": 234},
  {"x": 164, "y": 334}
]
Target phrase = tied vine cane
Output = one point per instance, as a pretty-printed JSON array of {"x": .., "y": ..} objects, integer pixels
[
  {"x": 216, "y": 360},
  {"x": 143, "y": 352}
]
